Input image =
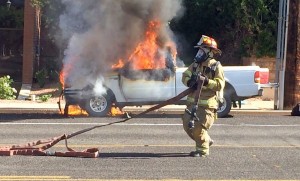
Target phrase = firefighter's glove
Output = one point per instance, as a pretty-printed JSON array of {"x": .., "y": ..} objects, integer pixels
[
  {"x": 193, "y": 82},
  {"x": 204, "y": 79}
]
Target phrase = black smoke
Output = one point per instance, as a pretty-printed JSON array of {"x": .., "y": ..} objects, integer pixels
[{"x": 100, "y": 32}]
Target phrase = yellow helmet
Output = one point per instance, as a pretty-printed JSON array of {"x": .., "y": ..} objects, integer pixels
[{"x": 208, "y": 42}]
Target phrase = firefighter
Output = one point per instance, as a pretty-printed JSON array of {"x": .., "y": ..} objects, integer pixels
[{"x": 210, "y": 71}]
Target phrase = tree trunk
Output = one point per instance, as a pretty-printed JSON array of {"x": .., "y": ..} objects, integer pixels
[{"x": 292, "y": 73}]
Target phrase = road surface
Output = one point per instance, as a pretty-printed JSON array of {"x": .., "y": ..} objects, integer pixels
[{"x": 247, "y": 147}]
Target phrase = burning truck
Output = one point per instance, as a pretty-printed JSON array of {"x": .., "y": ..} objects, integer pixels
[
  {"x": 132, "y": 88},
  {"x": 122, "y": 53},
  {"x": 150, "y": 76}
]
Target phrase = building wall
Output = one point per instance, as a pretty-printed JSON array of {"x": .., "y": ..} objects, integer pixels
[
  {"x": 28, "y": 42},
  {"x": 264, "y": 62}
]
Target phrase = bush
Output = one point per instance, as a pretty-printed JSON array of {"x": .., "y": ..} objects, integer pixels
[
  {"x": 6, "y": 91},
  {"x": 53, "y": 76},
  {"x": 45, "y": 98},
  {"x": 41, "y": 77}
]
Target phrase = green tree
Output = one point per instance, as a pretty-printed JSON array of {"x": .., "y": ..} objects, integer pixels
[
  {"x": 11, "y": 18},
  {"x": 258, "y": 20},
  {"x": 241, "y": 27},
  {"x": 11, "y": 25},
  {"x": 40, "y": 3},
  {"x": 50, "y": 12}
]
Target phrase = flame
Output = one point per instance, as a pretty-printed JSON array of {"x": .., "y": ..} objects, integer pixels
[
  {"x": 75, "y": 110},
  {"x": 115, "y": 111},
  {"x": 120, "y": 64},
  {"x": 144, "y": 56},
  {"x": 62, "y": 79},
  {"x": 66, "y": 69},
  {"x": 63, "y": 74},
  {"x": 147, "y": 54}
]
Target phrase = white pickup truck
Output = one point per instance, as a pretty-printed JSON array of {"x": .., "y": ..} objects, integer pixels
[{"x": 132, "y": 88}]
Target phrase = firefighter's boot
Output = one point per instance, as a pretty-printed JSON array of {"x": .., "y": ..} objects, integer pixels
[
  {"x": 198, "y": 154},
  {"x": 211, "y": 142}
]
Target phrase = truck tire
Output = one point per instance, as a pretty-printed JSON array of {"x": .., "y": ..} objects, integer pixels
[
  {"x": 225, "y": 108},
  {"x": 98, "y": 106}
]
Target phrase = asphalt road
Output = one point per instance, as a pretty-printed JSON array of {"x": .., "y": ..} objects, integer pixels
[{"x": 247, "y": 147}]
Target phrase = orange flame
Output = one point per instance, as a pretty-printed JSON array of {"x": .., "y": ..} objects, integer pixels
[
  {"x": 63, "y": 74},
  {"x": 62, "y": 79},
  {"x": 144, "y": 56},
  {"x": 75, "y": 110},
  {"x": 147, "y": 53},
  {"x": 120, "y": 64},
  {"x": 115, "y": 111},
  {"x": 66, "y": 69}
]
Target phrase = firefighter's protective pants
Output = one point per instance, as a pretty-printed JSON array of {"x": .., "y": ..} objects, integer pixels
[{"x": 199, "y": 133}]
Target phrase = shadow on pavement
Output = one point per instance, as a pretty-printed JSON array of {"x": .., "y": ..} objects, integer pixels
[
  {"x": 8, "y": 117},
  {"x": 142, "y": 155}
]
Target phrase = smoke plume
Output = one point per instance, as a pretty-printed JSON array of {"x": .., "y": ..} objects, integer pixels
[{"x": 100, "y": 32}]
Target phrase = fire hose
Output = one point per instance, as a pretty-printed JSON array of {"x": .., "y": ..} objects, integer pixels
[
  {"x": 193, "y": 111},
  {"x": 32, "y": 148}
]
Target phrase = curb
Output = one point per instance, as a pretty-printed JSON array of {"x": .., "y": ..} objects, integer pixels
[
  {"x": 28, "y": 111},
  {"x": 233, "y": 111}
]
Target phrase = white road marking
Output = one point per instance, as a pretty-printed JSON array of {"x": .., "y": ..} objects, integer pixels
[
  {"x": 68, "y": 178},
  {"x": 153, "y": 124}
]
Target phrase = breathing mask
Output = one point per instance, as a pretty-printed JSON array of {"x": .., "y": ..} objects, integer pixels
[{"x": 202, "y": 55}]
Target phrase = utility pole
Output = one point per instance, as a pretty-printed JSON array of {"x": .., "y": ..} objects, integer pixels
[
  {"x": 282, "y": 37},
  {"x": 292, "y": 74}
]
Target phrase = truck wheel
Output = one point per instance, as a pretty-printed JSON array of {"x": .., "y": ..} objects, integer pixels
[
  {"x": 98, "y": 106},
  {"x": 225, "y": 108}
]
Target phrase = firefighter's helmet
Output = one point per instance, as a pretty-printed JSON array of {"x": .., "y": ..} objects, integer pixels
[{"x": 208, "y": 42}]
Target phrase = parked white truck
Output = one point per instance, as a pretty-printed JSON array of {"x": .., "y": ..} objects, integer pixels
[{"x": 133, "y": 88}]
